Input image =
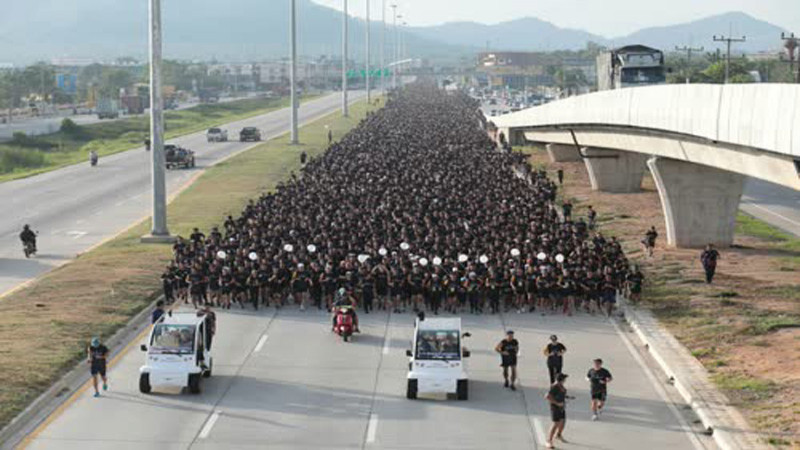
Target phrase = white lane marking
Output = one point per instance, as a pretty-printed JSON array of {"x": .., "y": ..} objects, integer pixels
[
  {"x": 386, "y": 343},
  {"x": 659, "y": 389},
  {"x": 261, "y": 343},
  {"x": 372, "y": 428},
  {"x": 767, "y": 210},
  {"x": 539, "y": 429},
  {"x": 77, "y": 234},
  {"x": 209, "y": 425}
]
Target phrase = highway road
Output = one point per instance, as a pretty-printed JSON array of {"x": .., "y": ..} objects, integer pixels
[
  {"x": 776, "y": 205},
  {"x": 283, "y": 381},
  {"x": 76, "y": 207}
]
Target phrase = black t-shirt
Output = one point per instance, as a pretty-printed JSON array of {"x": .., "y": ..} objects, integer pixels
[
  {"x": 511, "y": 347},
  {"x": 596, "y": 378},
  {"x": 554, "y": 353},
  {"x": 98, "y": 354},
  {"x": 558, "y": 394}
]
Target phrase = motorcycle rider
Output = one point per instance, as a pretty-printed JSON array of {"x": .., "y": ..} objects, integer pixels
[
  {"x": 28, "y": 236},
  {"x": 93, "y": 158},
  {"x": 345, "y": 304}
]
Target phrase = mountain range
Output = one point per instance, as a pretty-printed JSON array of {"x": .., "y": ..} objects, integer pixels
[{"x": 258, "y": 29}]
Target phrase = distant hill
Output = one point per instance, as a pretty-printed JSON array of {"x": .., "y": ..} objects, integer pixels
[{"x": 258, "y": 29}]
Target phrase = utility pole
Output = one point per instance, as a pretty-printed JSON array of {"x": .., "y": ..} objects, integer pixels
[
  {"x": 728, "y": 40},
  {"x": 159, "y": 232},
  {"x": 293, "y": 72},
  {"x": 791, "y": 43},
  {"x": 369, "y": 93},
  {"x": 383, "y": 46},
  {"x": 689, "y": 50},
  {"x": 345, "y": 111},
  {"x": 394, "y": 58}
]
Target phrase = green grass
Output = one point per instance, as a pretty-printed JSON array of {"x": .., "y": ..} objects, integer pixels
[
  {"x": 743, "y": 385},
  {"x": 26, "y": 156},
  {"x": 45, "y": 326}
]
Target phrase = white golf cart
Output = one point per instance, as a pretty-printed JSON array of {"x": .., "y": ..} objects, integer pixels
[
  {"x": 177, "y": 353},
  {"x": 436, "y": 363}
]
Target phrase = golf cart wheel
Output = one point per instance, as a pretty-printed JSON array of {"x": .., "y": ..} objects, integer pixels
[
  {"x": 144, "y": 383},
  {"x": 207, "y": 373},
  {"x": 194, "y": 383},
  {"x": 411, "y": 390},
  {"x": 462, "y": 389}
]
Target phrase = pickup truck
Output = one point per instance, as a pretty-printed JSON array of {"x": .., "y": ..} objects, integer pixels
[
  {"x": 178, "y": 157},
  {"x": 217, "y": 135},
  {"x": 250, "y": 134}
]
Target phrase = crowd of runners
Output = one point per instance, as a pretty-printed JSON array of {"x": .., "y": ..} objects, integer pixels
[{"x": 415, "y": 209}]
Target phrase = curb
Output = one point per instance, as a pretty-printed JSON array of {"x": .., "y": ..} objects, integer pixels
[
  {"x": 15, "y": 432},
  {"x": 729, "y": 433}
]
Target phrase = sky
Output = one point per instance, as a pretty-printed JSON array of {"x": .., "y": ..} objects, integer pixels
[{"x": 609, "y": 18}]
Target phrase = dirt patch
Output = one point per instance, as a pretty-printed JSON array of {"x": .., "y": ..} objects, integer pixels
[{"x": 745, "y": 327}]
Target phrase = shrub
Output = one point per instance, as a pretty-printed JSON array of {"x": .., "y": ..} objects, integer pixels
[
  {"x": 70, "y": 127},
  {"x": 17, "y": 158}
]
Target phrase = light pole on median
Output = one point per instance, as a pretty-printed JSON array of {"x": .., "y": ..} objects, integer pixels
[
  {"x": 345, "y": 112},
  {"x": 293, "y": 72},
  {"x": 394, "y": 66},
  {"x": 369, "y": 94},
  {"x": 158, "y": 169},
  {"x": 383, "y": 45}
]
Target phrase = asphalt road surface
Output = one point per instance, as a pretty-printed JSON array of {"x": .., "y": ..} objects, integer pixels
[
  {"x": 282, "y": 380},
  {"x": 774, "y": 204},
  {"x": 79, "y": 206}
]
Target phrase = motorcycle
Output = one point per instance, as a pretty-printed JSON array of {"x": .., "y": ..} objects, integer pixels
[
  {"x": 344, "y": 324},
  {"x": 93, "y": 159},
  {"x": 29, "y": 248}
]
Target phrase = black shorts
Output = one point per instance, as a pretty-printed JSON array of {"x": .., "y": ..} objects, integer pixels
[
  {"x": 557, "y": 414},
  {"x": 98, "y": 368},
  {"x": 599, "y": 394},
  {"x": 508, "y": 361}
]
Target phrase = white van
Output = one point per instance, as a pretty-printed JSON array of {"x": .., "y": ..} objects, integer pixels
[
  {"x": 436, "y": 361},
  {"x": 177, "y": 353}
]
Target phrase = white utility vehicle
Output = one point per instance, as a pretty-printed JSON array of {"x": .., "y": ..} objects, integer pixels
[
  {"x": 177, "y": 353},
  {"x": 436, "y": 362},
  {"x": 217, "y": 135}
]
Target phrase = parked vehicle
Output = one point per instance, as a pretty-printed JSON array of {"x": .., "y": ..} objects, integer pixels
[
  {"x": 250, "y": 134},
  {"x": 178, "y": 353},
  {"x": 217, "y": 135},
  {"x": 107, "y": 108},
  {"x": 178, "y": 157}
]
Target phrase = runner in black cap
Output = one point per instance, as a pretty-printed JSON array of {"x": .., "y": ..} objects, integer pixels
[
  {"x": 554, "y": 351},
  {"x": 508, "y": 349}
]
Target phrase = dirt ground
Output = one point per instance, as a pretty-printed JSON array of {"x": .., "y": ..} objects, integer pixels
[{"x": 745, "y": 327}]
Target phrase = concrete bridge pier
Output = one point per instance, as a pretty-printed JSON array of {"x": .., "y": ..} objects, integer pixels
[
  {"x": 613, "y": 170},
  {"x": 563, "y": 153},
  {"x": 700, "y": 202}
]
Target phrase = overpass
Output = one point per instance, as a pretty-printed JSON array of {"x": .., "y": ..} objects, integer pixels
[{"x": 700, "y": 142}]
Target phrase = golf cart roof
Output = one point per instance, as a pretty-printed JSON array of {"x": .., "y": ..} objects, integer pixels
[
  {"x": 449, "y": 323},
  {"x": 182, "y": 318}
]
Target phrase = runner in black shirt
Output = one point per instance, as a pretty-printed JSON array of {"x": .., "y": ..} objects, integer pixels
[
  {"x": 96, "y": 356},
  {"x": 557, "y": 396},
  {"x": 598, "y": 378},
  {"x": 508, "y": 349},
  {"x": 554, "y": 351}
]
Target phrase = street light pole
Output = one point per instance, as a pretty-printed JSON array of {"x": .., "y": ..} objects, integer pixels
[
  {"x": 367, "y": 75},
  {"x": 345, "y": 112},
  {"x": 383, "y": 46},
  {"x": 158, "y": 170},
  {"x": 394, "y": 66},
  {"x": 293, "y": 72}
]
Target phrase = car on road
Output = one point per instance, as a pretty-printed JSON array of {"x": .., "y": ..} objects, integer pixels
[
  {"x": 250, "y": 134},
  {"x": 178, "y": 353},
  {"x": 436, "y": 360},
  {"x": 217, "y": 135},
  {"x": 178, "y": 157}
]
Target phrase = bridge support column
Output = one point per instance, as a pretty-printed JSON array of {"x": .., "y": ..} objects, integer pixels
[
  {"x": 563, "y": 153},
  {"x": 614, "y": 171},
  {"x": 700, "y": 202}
]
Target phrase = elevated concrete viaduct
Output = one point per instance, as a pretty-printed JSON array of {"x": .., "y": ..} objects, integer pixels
[{"x": 699, "y": 142}]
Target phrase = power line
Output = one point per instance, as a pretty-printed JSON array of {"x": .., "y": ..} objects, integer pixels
[
  {"x": 689, "y": 50},
  {"x": 790, "y": 46},
  {"x": 728, "y": 40}
]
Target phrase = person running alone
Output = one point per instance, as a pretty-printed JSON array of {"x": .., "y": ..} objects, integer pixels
[
  {"x": 96, "y": 356},
  {"x": 709, "y": 259},
  {"x": 554, "y": 351},
  {"x": 508, "y": 349},
  {"x": 557, "y": 397},
  {"x": 598, "y": 377},
  {"x": 649, "y": 241}
]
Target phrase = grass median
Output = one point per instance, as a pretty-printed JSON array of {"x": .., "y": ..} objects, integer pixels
[
  {"x": 45, "y": 327},
  {"x": 25, "y": 156}
]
